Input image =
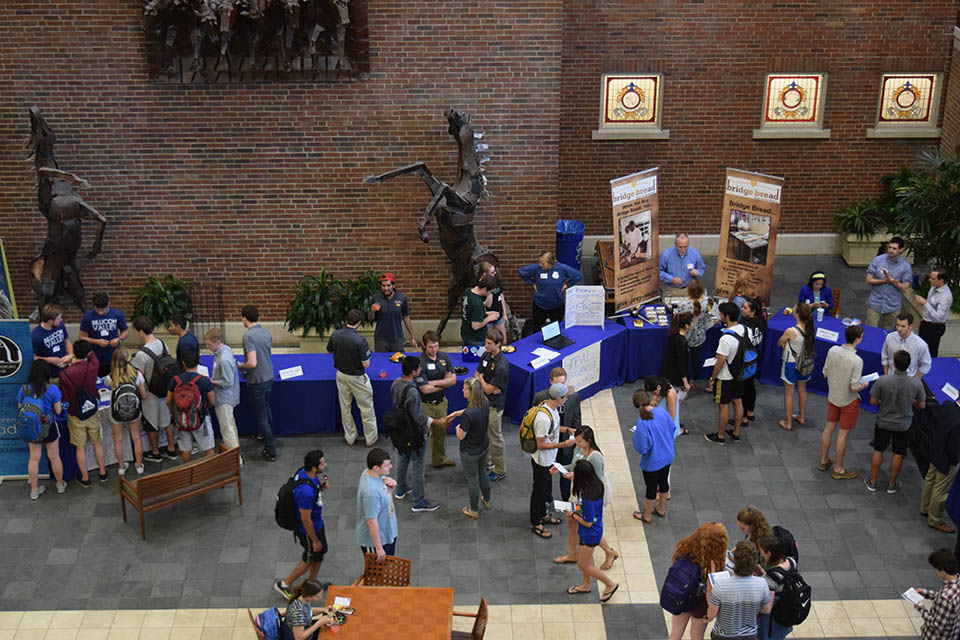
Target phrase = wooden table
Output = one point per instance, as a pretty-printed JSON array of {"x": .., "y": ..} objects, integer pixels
[{"x": 424, "y": 613}]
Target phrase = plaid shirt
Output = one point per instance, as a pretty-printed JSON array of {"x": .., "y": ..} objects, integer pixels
[{"x": 942, "y": 620}]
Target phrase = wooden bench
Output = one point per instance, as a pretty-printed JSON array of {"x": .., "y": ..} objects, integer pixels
[{"x": 159, "y": 490}]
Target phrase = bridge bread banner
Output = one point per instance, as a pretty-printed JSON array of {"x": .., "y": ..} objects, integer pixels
[
  {"x": 748, "y": 232},
  {"x": 635, "y": 238}
]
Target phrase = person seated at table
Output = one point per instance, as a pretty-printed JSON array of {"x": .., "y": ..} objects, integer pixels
[
  {"x": 680, "y": 264},
  {"x": 299, "y": 615},
  {"x": 817, "y": 294},
  {"x": 550, "y": 280}
]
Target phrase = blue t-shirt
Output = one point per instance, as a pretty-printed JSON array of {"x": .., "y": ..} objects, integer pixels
[
  {"x": 187, "y": 342},
  {"x": 373, "y": 502},
  {"x": 50, "y": 344},
  {"x": 591, "y": 511},
  {"x": 653, "y": 440},
  {"x": 549, "y": 283},
  {"x": 50, "y": 397},
  {"x": 103, "y": 327},
  {"x": 203, "y": 384},
  {"x": 306, "y": 498}
]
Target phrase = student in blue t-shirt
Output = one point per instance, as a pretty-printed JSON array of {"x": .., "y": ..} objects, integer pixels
[
  {"x": 51, "y": 342},
  {"x": 588, "y": 487},
  {"x": 310, "y": 532},
  {"x": 39, "y": 387},
  {"x": 187, "y": 342},
  {"x": 550, "y": 280},
  {"x": 105, "y": 329}
]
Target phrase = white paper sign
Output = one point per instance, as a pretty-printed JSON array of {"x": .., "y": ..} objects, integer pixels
[
  {"x": 912, "y": 595},
  {"x": 709, "y": 362},
  {"x": 560, "y": 468},
  {"x": 560, "y": 505},
  {"x": 583, "y": 367},
  {"x": 584, "y": 307},
  {"x": 202, "y": 370},
  {"x": 950, "y": 390},
  {"x": 545, "y": 353},
  {"x": 826, "y": 334},
  {"x": 291, "y": 372},
  {"x": 870, "y": 377},
  {"x": 539, "y": 362},
  {"x": 341, "y": 601}
]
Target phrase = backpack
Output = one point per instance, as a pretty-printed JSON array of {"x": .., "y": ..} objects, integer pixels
[
  {"x": 744, "y": 363},
  {"x": 270, "y": 623},
  {"x": 788, "y": 542},
  {"x": 87, "y": 404},
  {"x": 164, "y": 369},
  {"x": 405, "y": 434},
  {"x": 804, "y": 360},
  {"x": 285, "y": 510},
  {"x": 187, "y": 404},
  {"x": 793, "y": 607},
  {"x": 32, "y": 424},
  {"x": 681, "y": 586},
  {"x": 528, "y": 437},
  {"x": 125, "y": 403}
]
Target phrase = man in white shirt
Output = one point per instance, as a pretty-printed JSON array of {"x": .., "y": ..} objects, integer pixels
[
  {"x": 546, "y": 427},
  {"x": 842, "y": 369},
  {"x": 725, "y": 387},
  {"x": 904, "y": 339},
  {"x": 936, "y": 308}
]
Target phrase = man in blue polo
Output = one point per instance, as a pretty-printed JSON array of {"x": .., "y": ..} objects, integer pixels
[
  {"x": 50, "y": 340},
  {"x": 889, "y": 276},
  {"x": 310, "y": 532},
  {"x": 104, "y": 328},
  {"x": 389, "y": 308},
  {"x": 680, "y": 264}
]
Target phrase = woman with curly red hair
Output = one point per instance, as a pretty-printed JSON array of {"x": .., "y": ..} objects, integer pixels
[{"x": 706, "y": 547}]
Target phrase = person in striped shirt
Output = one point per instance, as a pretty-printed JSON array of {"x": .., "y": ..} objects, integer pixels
[{"x": 735, "y": 601}]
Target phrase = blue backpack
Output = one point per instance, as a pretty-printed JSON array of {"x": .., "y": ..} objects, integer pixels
[
  {"x": 743, "y": 366},
  {"x": 32, "y": 424},
  {"x": 270, "y": 623},
  {"x": 681, "y": 586}
]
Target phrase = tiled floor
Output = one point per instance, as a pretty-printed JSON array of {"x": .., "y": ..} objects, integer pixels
[{"x": 79, "y": 572}]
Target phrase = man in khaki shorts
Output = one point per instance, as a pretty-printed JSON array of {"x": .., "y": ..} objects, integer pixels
[{"x": 78, "y": 384}]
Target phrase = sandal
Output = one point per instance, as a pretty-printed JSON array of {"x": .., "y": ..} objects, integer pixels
[
  {"x": 611, "y": 558},
  {"x": 541, "y": 532},
  {"x": 549, "y": 520},
  {"x": 470, "y": 513},
  {"x": 575, "y": 589},
  {"x": 783, "y": 426},
  {"x": 662, "y": 514},
  {"x": 609, "y": 594},
  {"x": 799, "y": 421},
  {"x": 639, "y": 516},
  {"x": 565, "y": 559}
]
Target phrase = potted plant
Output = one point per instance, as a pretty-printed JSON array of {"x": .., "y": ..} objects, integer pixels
[
  {"x": 159, "y": 299},
  {"x": 355, "y": 293},
  {"x": 312, "y": 310},
  {"x": 862, "y": 226}
]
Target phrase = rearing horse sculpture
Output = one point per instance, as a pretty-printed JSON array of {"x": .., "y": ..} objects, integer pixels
[
  {"x": 453, "y": 207},
  {"x": 55, "y": 270}
]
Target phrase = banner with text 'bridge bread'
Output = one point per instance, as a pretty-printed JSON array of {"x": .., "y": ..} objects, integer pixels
[{"x": 636, "y": 232}]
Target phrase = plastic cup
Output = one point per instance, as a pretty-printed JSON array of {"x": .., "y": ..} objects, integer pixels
[
  {"x": 383, "y": 374},
  {"x": 335, "y": 629}
]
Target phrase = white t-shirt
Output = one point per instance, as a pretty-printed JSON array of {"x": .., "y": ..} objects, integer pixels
[
  {"x": 728, "y": 349},
  {"x": 542, "y": 429}
]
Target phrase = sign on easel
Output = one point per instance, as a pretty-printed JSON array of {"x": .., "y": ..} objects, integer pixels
[
  {"x": 16, "y": 357},
  {"x": 584, "y": 307}
]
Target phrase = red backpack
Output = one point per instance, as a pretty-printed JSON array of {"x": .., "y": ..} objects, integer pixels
[{"x": 187, "y": 404}]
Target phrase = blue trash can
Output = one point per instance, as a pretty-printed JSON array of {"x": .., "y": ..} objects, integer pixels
[{"x": 570, "y": 242}]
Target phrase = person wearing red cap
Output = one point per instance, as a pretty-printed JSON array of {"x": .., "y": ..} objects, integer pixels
[{"x": 388, "y": 307}]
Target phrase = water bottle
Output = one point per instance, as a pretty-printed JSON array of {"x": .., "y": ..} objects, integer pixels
[{"x": 819, "y": 314}]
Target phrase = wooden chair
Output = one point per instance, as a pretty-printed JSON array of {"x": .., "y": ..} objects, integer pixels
[
  {"x": 390, "y": 572},
  {"x": 256, "y": 629},
  {"x": 836, "y": 303},
  {"x": 479, "y": 623}
]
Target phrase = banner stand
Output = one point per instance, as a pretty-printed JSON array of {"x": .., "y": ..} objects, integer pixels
[{"x": 636, "y": 232}]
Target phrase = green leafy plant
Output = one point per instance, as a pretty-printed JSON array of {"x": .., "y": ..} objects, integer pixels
[
  {"x": 160, "y": 299},
  {"x": 355, "y": 293},
  {"x": 862, "y": 219},
  {"x": 312, "y": 306}
]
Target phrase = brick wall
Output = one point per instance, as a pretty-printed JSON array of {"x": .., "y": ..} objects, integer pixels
[
  {"x": 714, "y": 56},
  {"x": 950, "y": 141},
  {"x": 253, "y": 185}
]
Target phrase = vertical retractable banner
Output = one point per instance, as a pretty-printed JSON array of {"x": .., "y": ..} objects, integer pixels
[
  {"x": 16, "y": 356},
  {"x": 636, "y": 235},
  {"x": 748, "y": 233}
]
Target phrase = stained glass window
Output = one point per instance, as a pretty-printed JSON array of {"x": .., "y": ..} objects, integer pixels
[
  {"x": 630, "y": 106},
  {"x": 907, "y": 106},
  {"x": 793, "y": 99}
]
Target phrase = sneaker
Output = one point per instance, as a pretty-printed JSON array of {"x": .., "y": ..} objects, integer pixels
[
  {"x": 714, "y": 438},
  {"x": 83, "y": 483},
  {"x": 425, "y": 505},
  {"x": 61, "y": 487},
  {"x": 400, "y": 495},
  {"x": 257, "y": 437},
  {"x": 894, "y": 488},
  {"x": 732, "y": 435},
  {"x": 871, "y": 487},
  {"x": 496, "y": 477},
  {"x": 269, "y": 457},
  {"x": 171, "y": 455},
  {"x": 489, "y": 467},
  {"x": 282, "y": 590},
  {"x": 104, "y": 477},
  {"x": 123, "y": 470},
  {"x": 487, "y": 504},
  {"x": 150, "y": 456},
  {"x": 139, "y": 469},
  {"x": 36, "y": 494}
]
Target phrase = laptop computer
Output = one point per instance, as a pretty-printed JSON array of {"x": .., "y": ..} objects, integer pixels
[{"x": 553, "y": 338}]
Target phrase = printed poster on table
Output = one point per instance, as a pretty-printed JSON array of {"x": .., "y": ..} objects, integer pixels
[
  {"x": 635, "y": 238},
  {"x": 748, "y": 233},
  {"x": 583, "y": 367},
  {"x": 8, "y": 304},
  {"x": 583, "y": 306},
  {"x": 16, "y": 356}
]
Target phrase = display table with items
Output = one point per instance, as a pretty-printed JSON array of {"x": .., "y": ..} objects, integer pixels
[
  {"x": 647, "y": 341},
  {"x": 830, "y": 332}
]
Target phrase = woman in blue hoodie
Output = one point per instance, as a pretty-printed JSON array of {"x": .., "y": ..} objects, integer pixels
[
  {"x": 550, "y": 280},
  {"x": 653, "y": 440}
]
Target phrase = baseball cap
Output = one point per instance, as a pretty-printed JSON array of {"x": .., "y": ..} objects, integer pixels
[
  {"x": 388, "y": 276},
  {"x": 558, "y": 390}
]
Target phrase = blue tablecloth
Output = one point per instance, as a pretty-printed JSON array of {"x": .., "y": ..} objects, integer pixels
[
  {"x": 942, "y": 371},
  {"x": 525, "y": 381},
  {"x": 646, "y": 344},
  {"x": 869, "y": 350}
]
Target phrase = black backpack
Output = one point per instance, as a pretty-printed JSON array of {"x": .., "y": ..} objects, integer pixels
[
  {"x": 87, "y": 404},
  {"x": 285, "y": 511},
  {"x": 164, "y": 370},
  {"x": 125, "y": 403},
  {"x": 793, "y": 607},
  {"x": 787, "y": 542},
  {"x": 744, "y": 363},
  {"x": 405, "y": 434}
]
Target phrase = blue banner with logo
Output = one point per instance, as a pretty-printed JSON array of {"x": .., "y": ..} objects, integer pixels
[{"x": 16, "y": 357}]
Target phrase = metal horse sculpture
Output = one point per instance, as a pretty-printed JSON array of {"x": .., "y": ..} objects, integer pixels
[
  {"x": 453, "y": 207},
  {"x": 55, "y": 270}
]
